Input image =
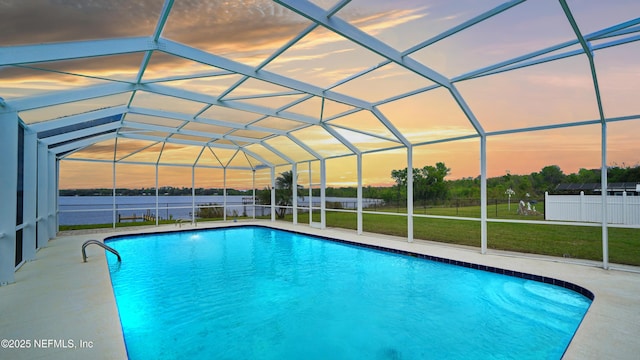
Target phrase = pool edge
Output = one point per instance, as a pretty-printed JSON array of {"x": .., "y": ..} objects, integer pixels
[{"x": 523, "y": 275}]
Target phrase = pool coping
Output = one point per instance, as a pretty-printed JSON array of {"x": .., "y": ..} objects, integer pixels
[{"x": 58, "y": 296}]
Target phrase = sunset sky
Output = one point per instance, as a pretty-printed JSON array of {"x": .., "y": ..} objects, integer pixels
[{"x": 249, "y": 32}]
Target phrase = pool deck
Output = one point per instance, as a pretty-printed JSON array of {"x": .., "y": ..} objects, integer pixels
[{"x": 62, "y": 308}]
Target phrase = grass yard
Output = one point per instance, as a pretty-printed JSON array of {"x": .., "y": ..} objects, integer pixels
[
  {"x": 494, "y": 211},
  {"x": 131, "y": 223},
  {"x": 582, "y": 242}
]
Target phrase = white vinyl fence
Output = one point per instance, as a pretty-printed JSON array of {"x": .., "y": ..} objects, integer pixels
[{"x": 587, "y": 208}]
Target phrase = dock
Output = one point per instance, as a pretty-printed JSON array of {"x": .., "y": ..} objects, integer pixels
[{"x": 144, "y": 217}]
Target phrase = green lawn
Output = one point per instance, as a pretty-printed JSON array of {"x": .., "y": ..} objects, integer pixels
[
  {"x": 129, "y": 224},
  {"x": 583, "y": 242},
  {"x": 494, "y": 211}
]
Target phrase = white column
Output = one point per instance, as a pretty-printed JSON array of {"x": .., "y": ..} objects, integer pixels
[
  {"x": 43, "y": 198},
  {"x": 52, "y": 194},
  {"x": 193, "y": 194},
  {"x": 273, "y": 194},
  {"x": 113, "y": 194},
  {"x": 483, "y": 194},
  {"x": 410, "y": 193},
  {"x": 359, "y": 193},
  {"x": 224, "y": 194},
  {"x": 310, "y": 194},
  {"x": 9, "y": 181},
  {"x": 253, "y": 193},
  {"x": 157, "y": 190},
  {"x": 29, "y": 240},
  {"x": 323, "y": 194},
  {"x": 605, "y": 187},
  {"x": 57, "y": 193},
  {"x": 294, "y": 190}
]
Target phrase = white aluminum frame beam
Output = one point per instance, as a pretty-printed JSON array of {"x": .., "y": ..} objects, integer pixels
[
  {"x": 278, "y": 152},
  {"x": 199, "y": 75},
  {"x": 179, "y": 131},
  {"x": 257, "y": 157},
  {"x": 52, "y": 193},
  {"x": 341, "y": 139},
  {"x": 69, "y": 96},
  {"x": 263, "y": 96},
  {"x": 253, "y": 194},
  {"x": 193, "y": 54},
  {"x": 294, "y": 192},
  {"x": 114, "y": 185},
  {"x": 78, "y": 134},
  {"x": 224, "y": 194},
  {"x": 410, "y": 193},
  {"x": 212, "y": 100},
  {"x": 136, "y": 151},
  {"x": 343, "y": 28},
  {"x": 433, "y": 40},
  {"x": 174, "y": 140},
  {"x": 123, "y": 160},
  {"x": 394, "y": 130},
  {"x": 199, "y": 119},
  {"x": 535, "y": 57},
  {"x": 79, "y": 118},
  {"x": 359, "y": 219},
  {"x": 348, "y": 31},
  {"x": 43, "y": 199},
  {"x": 464, "y": 25},
  {"x": 27, "y": 54},
  {"x": 81, "y": 144},
  {"x": 8, "y": 193},
  {"x": 47, "y": 182},
  {"x": 323, "y": 193},
  {"x": 367, "y": 133},
  {"x": 483, "y": 194},
  {"x": 304, "y": 146},
  {"x": 193, "y": 191},
  {"x": 586, "y": 47},
  {"x": 162, "y": 20},
  {"x": 30, "y": 190},
  {"x": 273, "y": 193}
]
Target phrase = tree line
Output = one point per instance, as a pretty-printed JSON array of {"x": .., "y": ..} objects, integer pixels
[
  {"x": 429, "y": 184},
  {"x": 162, "y": 191}
]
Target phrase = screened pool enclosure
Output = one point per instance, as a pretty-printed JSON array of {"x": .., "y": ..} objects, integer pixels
[{"x": 229, "y": 95}]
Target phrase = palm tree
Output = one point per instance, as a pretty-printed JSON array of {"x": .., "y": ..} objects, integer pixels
[{"x": 284, "y": 192}]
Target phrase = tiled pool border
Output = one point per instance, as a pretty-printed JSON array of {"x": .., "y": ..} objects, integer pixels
[{"x": 543, "y": 279}]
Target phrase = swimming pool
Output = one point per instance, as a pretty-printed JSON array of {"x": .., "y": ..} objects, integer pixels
[{"x": 254, "y": 292}]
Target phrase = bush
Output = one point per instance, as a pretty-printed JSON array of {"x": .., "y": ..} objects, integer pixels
[
  {"x": 334, "y": 205},
  {"x": 209, "y": 211}
]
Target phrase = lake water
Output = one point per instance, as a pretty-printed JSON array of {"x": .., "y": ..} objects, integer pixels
[{"x": 80, "y": 210}]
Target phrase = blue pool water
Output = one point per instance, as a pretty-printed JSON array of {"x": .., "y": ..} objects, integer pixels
[{"x": 259, "y": 293}]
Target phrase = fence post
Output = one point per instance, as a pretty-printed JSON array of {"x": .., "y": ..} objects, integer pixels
[
  {"x": 582, "y": 207},
  {"x": 625, "y": 219}
]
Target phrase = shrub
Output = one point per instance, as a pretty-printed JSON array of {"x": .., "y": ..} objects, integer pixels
[{"x": 209, "y": 211}]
